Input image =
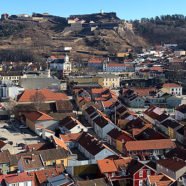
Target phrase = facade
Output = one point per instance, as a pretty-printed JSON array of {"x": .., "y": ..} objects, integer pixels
[
  {"x": 172, "y": 88},
  {"x": 19, "y": 180},
  {"x": 13, "y": 77},
  {"x": 155, "y": 115},
  {"x": 92, "y": 148},
  {"x": 118, "y": 67},
  {"x": 102, "y": 126},
  {"x": 36, "y": 121},
  {"x": 148, "y": 147},
  {"x": 180, "y": 112},
  {"x": 71, "y": 125},
  {"x": 109, "y": 80},
  {"x": 169, "y": 127},
  {"x": 172, "y": 168}
]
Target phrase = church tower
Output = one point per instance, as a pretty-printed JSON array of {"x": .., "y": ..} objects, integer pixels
[{"x": 67, "y": 66}]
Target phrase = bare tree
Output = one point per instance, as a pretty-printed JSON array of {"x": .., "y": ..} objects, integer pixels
[
  {"x": 10, "y": 106},
  {"x": 37, "y": 99}
]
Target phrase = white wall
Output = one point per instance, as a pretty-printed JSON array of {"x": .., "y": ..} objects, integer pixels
[{"x": 179, "y": 115}]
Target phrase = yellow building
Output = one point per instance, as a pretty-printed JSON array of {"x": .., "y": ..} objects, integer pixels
[
  {"x": 104, "y": 80},
  {"x": 108, "y": 80}
]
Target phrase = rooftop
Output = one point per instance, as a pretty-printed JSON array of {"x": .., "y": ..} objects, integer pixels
[
  {"x": 149, "y": 145},
  {"x": 172, "y": 164}
]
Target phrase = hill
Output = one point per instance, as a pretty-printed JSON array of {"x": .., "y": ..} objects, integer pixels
[{"x": 39, "y": 36}]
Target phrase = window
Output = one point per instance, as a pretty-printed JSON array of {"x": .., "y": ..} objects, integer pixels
[{"x": 141, "y": 173}]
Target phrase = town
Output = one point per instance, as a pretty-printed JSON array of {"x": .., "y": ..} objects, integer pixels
[{"x": 102, "y": 119}]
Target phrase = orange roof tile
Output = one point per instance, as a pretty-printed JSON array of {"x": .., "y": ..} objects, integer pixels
[
  {"x": 48, "y": 95},
  {"x": 60, "y": 143},
  {"x": 171, "y": 85},
  {"x": 37, "y": 116},
  {"x": 107, "y": 165},
  {"x": 149, "y": 145},
  {"x": 22, "y": 177},
  {"x": 70, "y": 137},
  {"x": 160, "y": 180}
]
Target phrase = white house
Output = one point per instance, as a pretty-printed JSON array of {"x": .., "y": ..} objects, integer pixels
[
  {"x": 21, "y": 179},
  {"x": 92, "y": 148},
  {"x": 71, "y": 125},
  {"x": 102, "y": 125},
  {"x": 180, "y": 112},
  {"x": 155, "y": 115},
  {"x": 172, "y": 88}
]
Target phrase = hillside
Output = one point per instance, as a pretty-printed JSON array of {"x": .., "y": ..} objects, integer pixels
[{"x": 37, "y": 37}]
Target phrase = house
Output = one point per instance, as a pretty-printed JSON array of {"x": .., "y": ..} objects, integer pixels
[
  {"x": 11, "y": 76},
  {"x": 160, "y": 179},
  {"x": 169, "y": 127},
  {"x": 71, "y": 125},
  {"x": 49, "y": 157},
  {"x": 163, "y": 99},
  {"x": 5, "y": 162},
  {"x": 19, "y": 180},
  {"x": 96, "y": 63},
  {"x": 39, "y": 80},
  {"x": 149, "y": 147},
  {"x": 155, "y": 115},
  {"x": 60, "y": 180},
  {"x": 139, "y": 172},
  {"x": 41, "y": 176},
  {"x": 177, "y": 153},
  {"x": 172, "y": 88},
  {"x": 117, "y": 67},
  {"x": 181, "y": 135},
  {"x": 147, "y": 133},
  {"x": 117, "y": 138},
  {"x": 102, "y": 125},
  {"x": 180, "y": 112},
  {"x": 132, "y": 99},
  {"x": 108, "y": 80},
  {"x": 48, "y": 96},
  {"x": 36, "y": 121},
  {"x": 92, "y": 148},
  {"x": 70, "y": 139},
  {"x": 30, "y": 163},
  {"x": 114, "y": 169},
  {"x": 171, "y": 167}
]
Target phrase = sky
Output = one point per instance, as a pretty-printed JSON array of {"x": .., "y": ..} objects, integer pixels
[{"x": 125, "y": 9}]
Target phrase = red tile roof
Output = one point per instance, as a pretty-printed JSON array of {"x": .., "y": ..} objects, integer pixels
[
  {"x": 149, "y": 145},
  {"x": 171, "y": 85},
  {"x": 70, "y": 137},
  {"x": 60, "y": 143},
  {"x": 48, "y": 95},
  {"x": 159, "y": 180},
  {"x": 37, "y": 116},
  {"x": 95, "y": 60},
  {"x": 107, "y": 166},
  {"x": 22, "y": 177},
  {"x": 43, "y": 175}
]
